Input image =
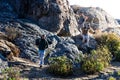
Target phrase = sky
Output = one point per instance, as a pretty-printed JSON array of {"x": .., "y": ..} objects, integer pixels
[{"x": 110, "y": 6}]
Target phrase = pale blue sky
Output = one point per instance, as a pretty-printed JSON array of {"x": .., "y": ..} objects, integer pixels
[{"x": 110, "y": 6}]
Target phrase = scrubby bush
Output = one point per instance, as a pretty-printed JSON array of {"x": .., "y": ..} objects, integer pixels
[
  {"x": 112, "y": 41},
  {"x": 97, "y": 60},
  {"x": 60, "y": 66},
  {"x": 11, "y": 73}
]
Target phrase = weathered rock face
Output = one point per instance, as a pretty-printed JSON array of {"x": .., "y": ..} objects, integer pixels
[
  {"x": 67, "y": 48},
  {"x": 53, "y": 15},
  {"x": 6, "y": 10},
  {"x": 30, "y": 32},
  {"x": 98, "y": 18},
  {"x": 26, "y": 42},
  {"x": 58, "y": 18}
]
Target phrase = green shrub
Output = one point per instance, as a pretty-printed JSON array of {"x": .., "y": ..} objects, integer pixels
[
  {"x": 112, "y": 41},
  {"x": 111, "y": 78},
  {"x": 11, "y": 73},
  {"x": 91, "y": 66},
  {"x": 97, "y": 61},
  {"x": 60, "y": 66}
]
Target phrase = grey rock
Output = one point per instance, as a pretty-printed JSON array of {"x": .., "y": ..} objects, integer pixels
[
  {"x": 31, "y": 31},
  {"x": 82, "y": 47},
  {"x": 53, "y": 15},
  {"x": 6, "y": 10},
  {"x": 66, "y": 48},
  {"x": 98, "y": 18},
  {"x": 118, "y": 20},
  {"x": 60, "y": 19},
  {"x": 56, "y": 15},
  {"x": 3, "y": 65}
]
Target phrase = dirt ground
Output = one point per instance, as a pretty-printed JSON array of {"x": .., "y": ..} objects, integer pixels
[{"x": 31, "y": 71}]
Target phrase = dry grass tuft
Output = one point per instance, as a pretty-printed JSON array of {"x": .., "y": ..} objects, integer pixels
[{"x": 12, "y": 33}]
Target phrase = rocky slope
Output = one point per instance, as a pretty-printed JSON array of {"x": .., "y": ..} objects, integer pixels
[
  {"x": 61, "y": 21},
  {"x": 54, "y": 18}
]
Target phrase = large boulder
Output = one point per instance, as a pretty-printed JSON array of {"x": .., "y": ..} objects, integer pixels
[
  {"x": 98, "y": 18},
  {"x": 59, "y": 18},
  {"x": 66, "y": 47}
]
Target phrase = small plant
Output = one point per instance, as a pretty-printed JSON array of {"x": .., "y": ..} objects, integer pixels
[
  {"x": 12, "y": 33},
  {"x": 60, "y": 66},
  {"x": 97, "y": 61},
  {"x": 11, "y": 73},
  {"x": 112, "y": 78}
]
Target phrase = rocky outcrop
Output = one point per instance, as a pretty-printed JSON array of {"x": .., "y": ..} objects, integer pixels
[
  {"x": 58, "y": 18},
  {"x": 67, "y": 48},
  {"x": 53, "y": 15},
  {"x": 62, "y": 18},
  {"x": 98, "y": 18},
  {"x": 30, "y": 32}
]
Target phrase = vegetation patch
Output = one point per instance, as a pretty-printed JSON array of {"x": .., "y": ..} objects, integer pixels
[
  {"x": 12, "y": 73},
  {"x": 97, "y": 60},
  {"x": 60, "y": 66},
  {"x": 112, "y": 41}
]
